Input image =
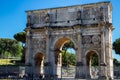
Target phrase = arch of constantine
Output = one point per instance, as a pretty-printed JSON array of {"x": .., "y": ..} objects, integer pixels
[{"x": 88, "y": 26}]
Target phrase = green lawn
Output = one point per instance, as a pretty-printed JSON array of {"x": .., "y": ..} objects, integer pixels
[{"x": 5, "y": 62}]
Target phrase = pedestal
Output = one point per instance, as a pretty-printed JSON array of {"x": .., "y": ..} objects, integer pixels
[
  {"x": 80, "y": 71},
  {"x": 103, "y": 72}
]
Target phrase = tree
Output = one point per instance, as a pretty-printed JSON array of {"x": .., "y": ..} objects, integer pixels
[
  {"x": 64, "y": 58},
  {"x": 69, "y": 44},
  {"x": 116, "y": 62},
  {"x": 21, "y": 37},
  {"x": 94, "y": 60},
  {"x": 116, "y": 46},
  {"x": 72, "y": 59},
  {"x": 9, "y": 47},
  {"x": 68, "y": 58}
]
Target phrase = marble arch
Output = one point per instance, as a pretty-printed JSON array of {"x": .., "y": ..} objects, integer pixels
[{"x": 89, "y": 26}]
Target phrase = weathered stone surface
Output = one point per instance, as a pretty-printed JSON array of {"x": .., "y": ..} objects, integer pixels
[
  {"x": 87, "y": 26},
  {"x": 70, "y": 16}
]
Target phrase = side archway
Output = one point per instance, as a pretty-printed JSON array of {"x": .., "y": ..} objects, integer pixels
[
  {"x": 92, "y": 63},
  {"x": 38, "y": 63}
]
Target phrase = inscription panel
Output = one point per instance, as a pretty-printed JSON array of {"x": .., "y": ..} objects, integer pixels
[
  {"x": 90, "y": 31},
  {"x": 70, "y": 16}
]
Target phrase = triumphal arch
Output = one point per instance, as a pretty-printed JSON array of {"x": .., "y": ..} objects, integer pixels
[{"x": 88, "y": 26}]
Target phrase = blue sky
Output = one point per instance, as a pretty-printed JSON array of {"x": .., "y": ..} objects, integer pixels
[{"x": 13, "y": 16}]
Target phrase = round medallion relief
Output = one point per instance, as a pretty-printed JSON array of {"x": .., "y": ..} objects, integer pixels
[
  {"x": 96, "y": 39},
  {"x": 87, "y": 39}
]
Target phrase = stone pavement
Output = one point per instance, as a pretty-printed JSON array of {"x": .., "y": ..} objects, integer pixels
[{"x": 81, "y": 79}]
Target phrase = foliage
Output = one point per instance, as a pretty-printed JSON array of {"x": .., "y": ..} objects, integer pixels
[
  {"x": 69, "y": 44},
  {"x": 94, "y": 60},
  {"x": 116, "y": 46},
  {"x": 116, "y": 62},
  {"x": 9, "y": 48},
  {"x": 64, "y": 58},
  {"x": 68, "y": 58},
  {"x": 21, "y": 36}
]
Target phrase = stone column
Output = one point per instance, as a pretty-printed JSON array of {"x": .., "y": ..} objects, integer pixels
[
  {"x": 78, "y": 47},
  {"x": 47, "y": 46},
  {"x": 59, "y": 65},
  {"x": 103, "y": 70},
  {"x": 109, "y": 58},
  {"x": 79, "y": 63},
  {"x": 27, "y": 51},
  {"x": 49, "y": 57},
  {"x": 52, "y": 63},
  {"x": 103, "y": 45},
  {"x": 47, "y": 54}
]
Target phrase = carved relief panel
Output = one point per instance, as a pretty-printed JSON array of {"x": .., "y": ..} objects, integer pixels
[
  {"x": 38, "y": 42},
  {"x": 91, "y": 41},
  {"x": 69, "y": 16},
  {"x": 36, "y": 18},
  {"x": 96, "y": 39},
  {"x": 86, "y": 39},
  {"x": 95, "y": 14},
  {"x": 86, "y": 12}
]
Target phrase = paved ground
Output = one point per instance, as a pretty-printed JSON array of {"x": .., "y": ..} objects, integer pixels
[
  {"x": 81, "y": 79},
  {"x": 60, "y": 79},
  {"x": 85, "y": 79}
]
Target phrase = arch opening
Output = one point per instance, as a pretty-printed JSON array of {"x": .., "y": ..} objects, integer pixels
[
  {"x": 92, "y": 63},
  {"x": 38, "y": 63},
  {"x": 64, "y": 56}
]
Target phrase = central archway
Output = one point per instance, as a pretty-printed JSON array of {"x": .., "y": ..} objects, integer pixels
[{"x": 59, "y": 55}]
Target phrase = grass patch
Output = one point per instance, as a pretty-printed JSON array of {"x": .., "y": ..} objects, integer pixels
[
  {"x": 14, "y": 62},
  {"x": 5, "y": 62}
]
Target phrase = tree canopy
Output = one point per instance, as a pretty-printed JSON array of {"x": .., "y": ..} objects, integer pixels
[
  {"x": 116, "y": 46},
  {"x": 21, "y": 36},
  {"x": 68, "y": 45},
  {"x": 67, "y": 57},
  {"x": 116, "y": 62},
  {"x": 9, "y": 47},
  {"x": 94, "y": 60}
]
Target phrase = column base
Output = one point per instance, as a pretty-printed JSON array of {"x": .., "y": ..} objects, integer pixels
[
  {"x": 110, "y": 78},
  {"x": 103, "y": 78},
  {"x": 80, "y": 76},
  {"x": 88, "y": 77},
  {"x": 80, "y": 73}
]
